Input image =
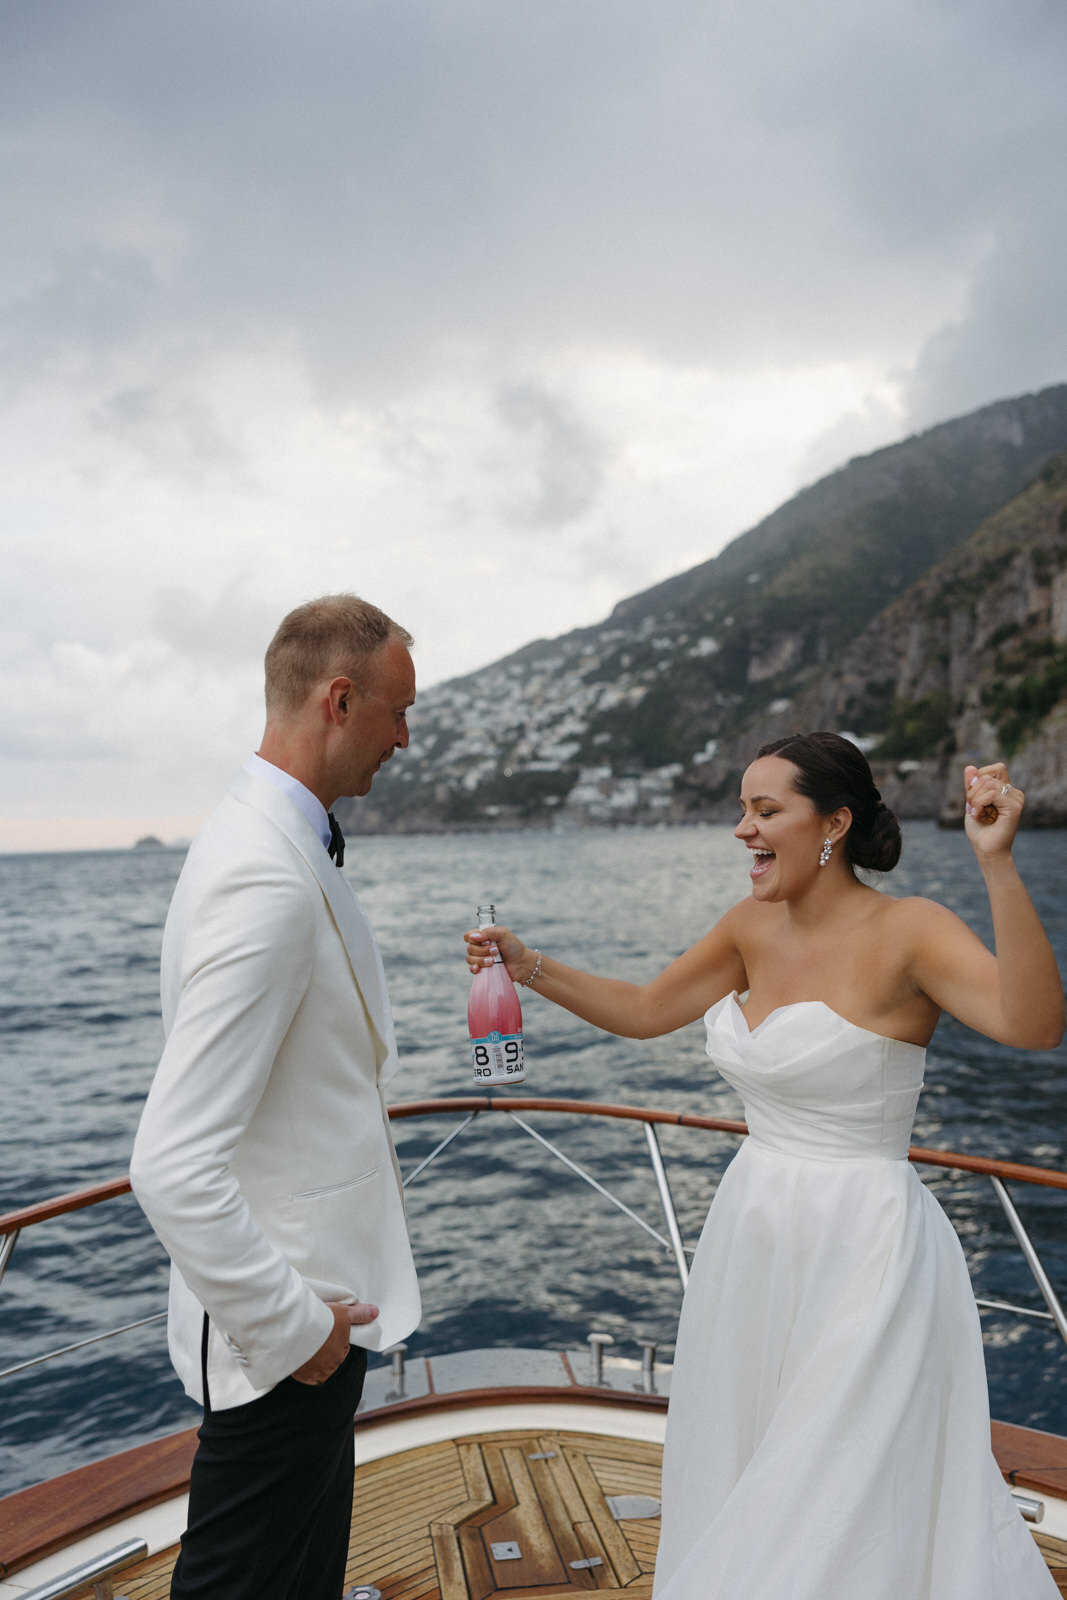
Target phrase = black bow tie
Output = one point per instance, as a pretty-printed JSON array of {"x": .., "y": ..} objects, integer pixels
[{"x": 336, "y": 846}]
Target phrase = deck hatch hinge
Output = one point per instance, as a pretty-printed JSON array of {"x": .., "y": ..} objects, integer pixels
[{"x": 585, "y": 1563}]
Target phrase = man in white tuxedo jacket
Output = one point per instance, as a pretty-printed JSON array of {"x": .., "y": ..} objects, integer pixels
[{"x": 264, "y": 1159}]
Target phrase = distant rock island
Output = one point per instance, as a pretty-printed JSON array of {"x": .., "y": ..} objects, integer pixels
[
  {"x": 149, "y": 842},
  {"x": 915, "y": 599}
]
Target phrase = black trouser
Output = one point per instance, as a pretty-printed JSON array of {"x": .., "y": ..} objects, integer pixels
[{"x": 270, "y": 1498}]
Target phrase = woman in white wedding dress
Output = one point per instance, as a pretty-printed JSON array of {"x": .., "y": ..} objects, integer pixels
[{"x": 828, "y": 1434}]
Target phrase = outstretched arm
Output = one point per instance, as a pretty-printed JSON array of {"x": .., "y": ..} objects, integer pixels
[
  {"x": 680, "y": 994},
  {"x": 1016, "y": 996}
]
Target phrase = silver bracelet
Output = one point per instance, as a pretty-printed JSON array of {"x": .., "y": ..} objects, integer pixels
[{"x": 535, "y": 974}]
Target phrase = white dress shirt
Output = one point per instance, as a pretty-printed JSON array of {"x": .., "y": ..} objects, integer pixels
[{"x": 301, "y": 797}]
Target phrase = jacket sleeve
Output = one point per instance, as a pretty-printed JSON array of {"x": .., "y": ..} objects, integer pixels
[{"x": 244, "y": 963}]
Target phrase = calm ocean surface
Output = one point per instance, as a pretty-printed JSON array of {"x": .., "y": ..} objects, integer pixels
[{"x": 512, "y": 1248}]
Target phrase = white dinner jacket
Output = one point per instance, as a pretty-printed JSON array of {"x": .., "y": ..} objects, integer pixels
[{"x": 264, "y": 1159}]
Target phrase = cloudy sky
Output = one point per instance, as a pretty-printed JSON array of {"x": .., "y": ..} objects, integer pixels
[{"x": 494, "y": 311}]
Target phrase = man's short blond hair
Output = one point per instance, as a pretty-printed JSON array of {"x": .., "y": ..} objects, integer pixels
[{"x": 334, "y": 636}]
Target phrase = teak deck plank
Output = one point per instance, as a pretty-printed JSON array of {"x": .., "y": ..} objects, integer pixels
[
  {"x": 604, "y": 1576},
  {"x": 570, "y": 1546},
  {"x": 376, "y": 1484},
  {"x": 574, "y": 1506},
  {"x": 618, "y": 1475},
  {"x": 425, "y": 1582},
  {"x": 391, "y": 1527},
  {"x": 449, "y": 1558},
  {"x": 611, "y": 1536},
  {"x": 476, "y": 1570},
  {"x": 475, "y": 1475},
  {"x": 621, "y": 1449},
  {"x": 524, "y": 1522},
  {"x": 427, "y": 1465},
  {"x": 399, "y": 1559},
  {"x": 381, "y": 1491},
  {"x": 433, "y": 1500}
]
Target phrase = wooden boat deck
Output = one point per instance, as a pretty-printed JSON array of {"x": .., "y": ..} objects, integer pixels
[{"x": 426, "y": 1520}]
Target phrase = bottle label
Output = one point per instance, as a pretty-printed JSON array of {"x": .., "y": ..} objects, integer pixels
[{"x": 498, "y": 1058}]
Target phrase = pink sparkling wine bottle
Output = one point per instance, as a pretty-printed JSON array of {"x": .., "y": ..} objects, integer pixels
[{"x": 494, "y": 1017}]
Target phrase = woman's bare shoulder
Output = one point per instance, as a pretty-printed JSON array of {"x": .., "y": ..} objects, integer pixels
[
  {"x": 749, "y": 921},
  {"x": 916, "y": 910},
  {"x": 915, "y": 919}
]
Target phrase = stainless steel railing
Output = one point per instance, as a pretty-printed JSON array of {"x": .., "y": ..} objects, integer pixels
[
  {"x": 98, "y": 1571},
  {"x": 470, "y": 1108}
]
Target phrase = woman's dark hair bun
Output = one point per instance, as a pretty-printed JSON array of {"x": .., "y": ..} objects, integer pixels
[
  {"x": 833, "y": 772},
  {"x": 884, "y": 841}
]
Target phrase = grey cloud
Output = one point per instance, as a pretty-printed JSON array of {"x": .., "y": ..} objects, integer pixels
[
  {"x": 568, "y": 461},
  {"x": 1013, "y": 334},
  {"x": 23, "y": 741},
  {"x": 949, "y": 157},
  {"x": 372, "y": 184},
  {"x": 173, "y": 432},
  {"x": 83, "y": 307},
  {"x": 77, "y": 748},
  {"x": 232, "y": 630}
]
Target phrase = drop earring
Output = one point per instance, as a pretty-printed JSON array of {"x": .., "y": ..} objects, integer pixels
[{"x": 826, "y": 852}]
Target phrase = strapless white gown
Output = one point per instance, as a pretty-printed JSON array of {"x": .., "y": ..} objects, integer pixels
[{"x": 828, "y": 1435}]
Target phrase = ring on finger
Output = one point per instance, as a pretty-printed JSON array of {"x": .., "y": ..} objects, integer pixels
[{"x": 1004, "y": 788}]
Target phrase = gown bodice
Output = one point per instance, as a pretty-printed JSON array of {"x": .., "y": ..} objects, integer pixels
[{"x": 815, "y": 1085}]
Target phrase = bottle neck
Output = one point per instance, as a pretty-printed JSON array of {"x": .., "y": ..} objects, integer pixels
[{"x": 486, "y": 919}]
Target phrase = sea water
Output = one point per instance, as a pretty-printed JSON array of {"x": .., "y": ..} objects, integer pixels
[{"x": 512, "y": 1247}]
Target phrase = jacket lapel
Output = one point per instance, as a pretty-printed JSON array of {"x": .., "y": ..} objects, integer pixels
[{"x": 356, "y": 932}]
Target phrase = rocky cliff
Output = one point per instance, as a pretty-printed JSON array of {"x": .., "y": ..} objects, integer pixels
[{"x": 969, "y": 664}]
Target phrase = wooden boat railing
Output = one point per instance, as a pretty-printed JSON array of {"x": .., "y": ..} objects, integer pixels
[{"x": 470, "y": 1107}]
